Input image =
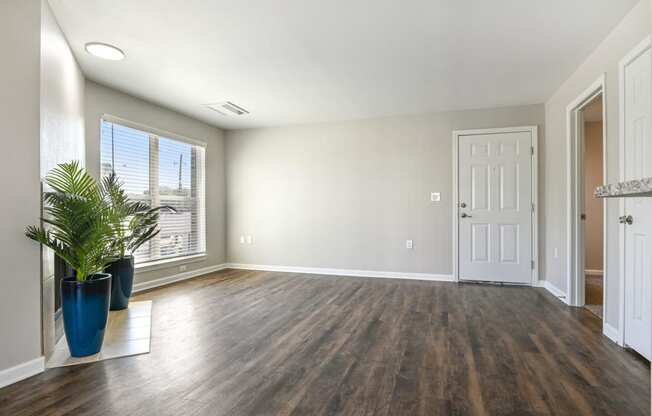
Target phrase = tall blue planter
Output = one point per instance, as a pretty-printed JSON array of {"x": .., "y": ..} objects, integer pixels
[
  {"x": 85, "y": 313},
  {"x": 122, "y": 272}
]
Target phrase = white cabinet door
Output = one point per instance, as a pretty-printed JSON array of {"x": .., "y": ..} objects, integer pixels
[
  {"x": 495, "y": 207},
  {"x": 638, "y": 234}
]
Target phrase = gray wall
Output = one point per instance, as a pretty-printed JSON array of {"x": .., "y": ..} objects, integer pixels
[
  {"x": 102, "y": 100},
  {"x": 62, "y": 97},
  {"x": 20, "y": 286},
  {"x": 604, "y": 60},
  {"x": 62, "y": 134},
  {"x": 348, "y": 195}
]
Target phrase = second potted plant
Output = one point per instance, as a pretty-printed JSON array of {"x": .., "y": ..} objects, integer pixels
[{"x": 133, "y": 224}]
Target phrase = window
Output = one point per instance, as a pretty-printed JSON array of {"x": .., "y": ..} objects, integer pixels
[{"x": 159, "y": 169}]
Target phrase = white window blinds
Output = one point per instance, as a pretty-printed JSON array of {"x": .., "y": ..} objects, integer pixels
[{"x": 160, "y": 170}]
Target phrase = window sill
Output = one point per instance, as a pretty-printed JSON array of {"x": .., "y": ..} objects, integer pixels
[{"x": 167, "y": 263}]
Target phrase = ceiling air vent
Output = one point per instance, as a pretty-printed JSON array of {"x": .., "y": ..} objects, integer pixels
[{"x": 228, "y": 108}]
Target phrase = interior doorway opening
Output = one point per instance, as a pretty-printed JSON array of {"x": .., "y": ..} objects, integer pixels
[
  {"x": 580, "y": 197},
  {"x": 592, "y": 209}
]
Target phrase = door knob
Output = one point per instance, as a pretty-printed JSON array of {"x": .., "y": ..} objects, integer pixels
[
  {"x": 463, "y": 205},
  {"x": 465, "y": 215},
  {"x": 626, "y": 219}
]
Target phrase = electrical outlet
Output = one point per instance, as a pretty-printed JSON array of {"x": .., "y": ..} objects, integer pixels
[
  {"x": 250, "y": 239},
  {"x": 408, "y": 244},
  {"x": 242, "y": 239},
  {"x": 435, "y": 196},
  {"x": 183, "y": 268}
]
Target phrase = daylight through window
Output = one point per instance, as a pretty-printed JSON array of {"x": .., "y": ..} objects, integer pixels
[{"x": 160, "y": 170}]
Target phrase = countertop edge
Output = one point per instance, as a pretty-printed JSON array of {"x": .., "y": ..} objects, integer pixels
[{"x": 634, "y": 188}]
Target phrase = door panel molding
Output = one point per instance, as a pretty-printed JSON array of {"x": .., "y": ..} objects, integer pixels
[{"x": 533, "y": 130}]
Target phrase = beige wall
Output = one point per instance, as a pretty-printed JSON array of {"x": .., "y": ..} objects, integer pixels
[
  {"x": 20, "y": 286},
  {"x": 593, "y": 207},
  {"x": 348, "y": 195},
  {"x": 102, "y": 100},
  {"x": 604, "y": 60}
]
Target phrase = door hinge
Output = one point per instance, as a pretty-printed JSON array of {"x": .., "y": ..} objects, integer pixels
[
  {"x": 532, "y": 150},
  {"x": 532, "y": 264},
  {"x": 533, "y": 209}
]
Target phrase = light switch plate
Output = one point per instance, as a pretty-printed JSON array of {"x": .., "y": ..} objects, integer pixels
[
  {"x": 435, "y": 196},
  {"x": 409, "y": 244}
]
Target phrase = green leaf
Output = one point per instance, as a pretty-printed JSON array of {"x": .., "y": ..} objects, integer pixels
[
  {"x": 133, "y": 222},
  {"x": 75, "y": 223}
]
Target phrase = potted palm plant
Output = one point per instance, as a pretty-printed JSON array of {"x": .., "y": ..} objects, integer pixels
[
  {"x": 133, "y": 223},
  {"x": 75, "y": 228}
]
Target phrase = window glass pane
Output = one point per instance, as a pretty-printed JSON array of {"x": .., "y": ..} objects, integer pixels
[
  {"x": 175, "y": 183},
  {"x": 160, "y": 171},
  {"x": 126, "y": 151}
]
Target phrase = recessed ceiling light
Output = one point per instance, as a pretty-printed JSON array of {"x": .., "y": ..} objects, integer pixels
[{"x": 104, "y": 51}]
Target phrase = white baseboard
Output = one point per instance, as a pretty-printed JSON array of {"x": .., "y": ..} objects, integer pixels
[
  {"x": 612, "y": 333},
  {"x": 592, "y": 272},
  {"x": 556, "y": 292},
  {"x": 150, "y": 284},
  {"x": 344, "y": 272},
  {"x": 21, "y": 371}
]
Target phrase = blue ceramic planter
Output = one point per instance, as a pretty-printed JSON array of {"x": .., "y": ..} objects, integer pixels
[
  {"x": 122, "y": 272},
  {"x": 85, "y": 313}
]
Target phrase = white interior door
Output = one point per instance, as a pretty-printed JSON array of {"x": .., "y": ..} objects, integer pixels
[
  {"x": 495, "y": 207},
  {"x": 638, "y": 234}
]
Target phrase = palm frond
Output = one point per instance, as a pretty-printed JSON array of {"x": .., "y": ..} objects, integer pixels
[
  {"x": 133, "y": 222},
  {"x": 75, "y": 220}
]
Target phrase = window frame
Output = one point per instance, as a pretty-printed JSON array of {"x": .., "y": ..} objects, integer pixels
[{"x": 165, "y": 262}]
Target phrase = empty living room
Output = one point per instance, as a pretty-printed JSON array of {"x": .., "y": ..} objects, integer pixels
[{"x": 302, "y": 207}]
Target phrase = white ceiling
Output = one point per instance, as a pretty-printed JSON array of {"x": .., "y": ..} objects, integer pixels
[{"x": 300, "y": 61}]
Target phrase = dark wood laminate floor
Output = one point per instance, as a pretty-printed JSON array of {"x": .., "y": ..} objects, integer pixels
[{"x": 261, "y": 343}]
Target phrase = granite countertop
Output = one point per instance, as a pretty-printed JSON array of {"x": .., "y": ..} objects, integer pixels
[{"x": 635, "y": 188}]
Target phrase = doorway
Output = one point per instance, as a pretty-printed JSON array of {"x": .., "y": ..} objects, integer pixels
[
  {"x": 586, "y": 115},
  {"x": 592, "y": 215}
]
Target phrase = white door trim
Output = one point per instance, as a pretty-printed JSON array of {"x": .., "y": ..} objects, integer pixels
[
  {"x": 638, "y": 50},
  {"x": 574, "y": 195},
  {"x": 533, "y": 130}
]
